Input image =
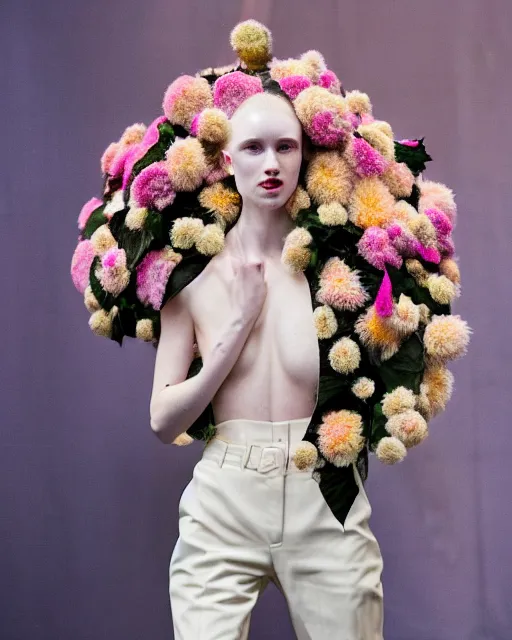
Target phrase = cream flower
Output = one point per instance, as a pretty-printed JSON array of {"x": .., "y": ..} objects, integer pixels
[
  {"x": 340, "y": 437},
  {"x": 390, "y": 450},
  {"x": 363, "y": 388},
  {"x": 345, "y": 355},
  {"x": 409, "y": 427},
  {"x": 305, "y": 455},
  {"x": 397, "y": 401},
  {"x": 325, "y": 322},
  {"x": 446, "y": 338}
]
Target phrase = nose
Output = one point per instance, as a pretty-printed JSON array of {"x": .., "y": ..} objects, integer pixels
[{"x": 272, "y": 165}]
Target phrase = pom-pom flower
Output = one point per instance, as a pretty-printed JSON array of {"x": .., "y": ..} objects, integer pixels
[
  {"x": 345, "y": 355},
  {"x": 211, "y": 126},
  {"x": 379, "y": 140},
  {"x": 325, "y": 322},
  {"x": 424, "y": 230},
  {"x": 397, "y": 401},
  {"x": 371, "y": 204},
  {"x": 144, "y": 330},
  {"x": 152, "y": 275},
  {"x": 409, "y": 427},
  {"x": 252, "y": 42},
  {"x": 296, "y": 253},
  {"x": 437, "y": 386},
  {"x": 332, "y": 214},
  {"x": 376, "y": 248},
  {"x": 329, "y": 80},
  {"x": 406, "y": 316},
  {"x": 186, "y": 97},
  {"x": 298, "y": 200},
  {"x": 323, "y": 116},
  {"x": 399, "y": 179},
  {"x": 435, "y": 195},
  {"x": 81, "y": 264},
  {"x": 358, "y": 102},
  {"x": 363, "y": 388},
  {"x": 108, "y": 156},
  {"x": 366, "y": 161},
  {"x": 376, "y": 334},
  {"x": 90, "y": 301},
  {"x": 340, "y": 286},
  {"x": 185, "y": 232},
  {"x": 390, "y": 450},
  {"x": 340, "y": 437},
  {"x": 101, "y": 322},
  {"x": 222, "y": 201},
  {"x": 446, "y": 338},
  {"x": 186, "y": 164},
  {"x": 293, "y": 85},
  {"x": 441, "y": 289},
  {"x": 113, "y": 273},
  {"x": 231, "y": 90},
  {"x": 211, "y": 240},
  {"x": 329, "y": 178},
  {"x": 133, "y": 134},
  {"x": 152, "y": 187},
  {"x": 85, "y": 213},
  {"x": 136, "y": 218},
  {"x": 449, "y": 268},
  {"x": 402, "y": 239},
  {"x": 102, "y": 240},
  {"x": 305, "y": 456}
]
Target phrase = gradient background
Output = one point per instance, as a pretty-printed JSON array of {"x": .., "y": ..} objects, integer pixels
[{"x": 89, "y": 496}]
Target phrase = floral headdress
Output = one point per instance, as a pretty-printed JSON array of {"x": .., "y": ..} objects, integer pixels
[{"x": 373, "y": 238}]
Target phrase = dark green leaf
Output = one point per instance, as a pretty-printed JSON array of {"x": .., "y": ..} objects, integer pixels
[
  {"x": 96, "y": 219},
  {"x": 414, "y": 157},
  {"x": 105, "y": 299}
]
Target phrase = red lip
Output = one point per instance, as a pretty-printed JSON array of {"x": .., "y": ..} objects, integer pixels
[{"x": 271, "y": 183}]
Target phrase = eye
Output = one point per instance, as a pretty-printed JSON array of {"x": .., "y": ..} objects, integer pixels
[
  {"x": 285, "y": 146},
  {"x": 253, "y": 147}
]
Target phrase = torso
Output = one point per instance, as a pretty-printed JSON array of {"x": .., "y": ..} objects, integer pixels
[{"x": 276, "y": 375}]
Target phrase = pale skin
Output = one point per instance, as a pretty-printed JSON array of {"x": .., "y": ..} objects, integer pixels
[{"x": 252, "y": 319}]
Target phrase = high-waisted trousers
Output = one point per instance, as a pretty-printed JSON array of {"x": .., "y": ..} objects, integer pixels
[{"x": 250, "y": 516}]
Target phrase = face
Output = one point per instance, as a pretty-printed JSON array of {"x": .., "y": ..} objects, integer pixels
[{"x": 265, "y": 147}]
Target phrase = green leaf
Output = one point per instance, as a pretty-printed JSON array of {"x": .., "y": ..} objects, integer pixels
[
  {"x": 329, "y": 387},
  {"x": 105, "y": 299},
  {"x": 339, "y": 488},
  {"x": 135, "y": 243},
  {"x": 405, "y": 368},
  {"x": 186, "y": 271},
  {"x": 96, "y": 219},
  {"x": 414, "y": 157},
  {"x": 156, "y": 153}
]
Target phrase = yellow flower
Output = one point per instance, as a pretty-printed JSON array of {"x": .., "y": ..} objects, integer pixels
[
  {"x": 371, "y": 204},
  {"x": 90, "y": 301},
  {"x": 449, "y": 268},
  {"x": 390, "y": 450},
  {"x": 340, "y": 437},
  {"x": 252, "y": 42},
  {"x": 381, "y": 142},
  {"x": 314, "y": 64},
  {"x": 329, "y": 178},
  {"x": 332, "y": 214},
  {"x": 406, "y": 316},
  {"x": 185, "y": 232},
  {"x": 211, "y": 240},
  {"x": 325, "y": 322},
  {"x": 295, "y": 258},
  {"x": 409, "y": 427},
  {"x": 136, "y": 218},
  {"x": 305, "y": 455},
  {"x": 133, "y": 134},
  {"x": 385, "y": 127},
  {"x": 186, "y": 164},
  {"x": 399, "y": 179},
  {"x": 417, "y": 270},
  {"x": 423, "y": 229},
  {"x": 345, "y": 355},
  {"x": 221, "y": 200},
  {"x": 396, "y": 401},
  {"x": 441, "y": 289},
  {"x": 359, "y": 102},
  {"x": 297, "y": 201},
  {"x": 363, "y": 388},
  {"x": 213, "y": 127},
  {"x": 183, "y": 440},
  {"x": 446, "y": 338},
  {"x": 404, "y": 212},
  {"x": 144, "y": 330},
  {"x": 437, "y": 385},
  {"x": 101, "y": 322},
  {"x": 376, "y": 334},
  {"x": 103, "y": 240},
  {"x": 424, "y": 313}
]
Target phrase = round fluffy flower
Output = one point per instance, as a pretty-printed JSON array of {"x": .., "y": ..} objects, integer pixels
[
  {"x": 397, "y": 401},
  {"x": 424, "y": 314},
  {"x": 409, "y": 427},
  {"x": 133, "y": 134},
  {"x": 402, "y": 239},
  {"x": 211, "y": 126},
  {"x": 379, "y": 140},
  {"x": 390, "y": 450},
  {"x": 108, "y": 157},
  {"x": 345, "y": 355},
  {"x": 295, "y": 258},
  {"x": 293, "y": 85},
  {"x": 152, "y": 275},
  {"x": 184, "y": 98},
  {"x": 323, "y": 115},
  {"x": 376, "y": 248},
  {"x": 86, "y": 211},
  {"x": 101, "y": 322},
  {"x": 90, "y": 301},
  {"x": 404, "y": 212},
  {"x": 438, "y": 196},
  {"x": 216, "y": 173},
  {"x": 437, "y": 386},
  {"x": 358, "y": 102},
  {"x": 329, "y": 178},
  {"x": 103, "y": 240},
  {"x": 449, "y": 268},
  {"x": 144, "y": 330},
  {"x": 224, "y": 202},
  {"x": 329, "y": 80},
  {"x": 280, "y": 69},
  {"x": 211, "y": 240},
  {"x": 314, "y": 64},
  {"x": 186, "y": 164},
  {"x": 332, "y": 214},
  {"x": 136, "y": 218},
  {"x": 441, "y": 222},
  {"x": 446, "y": 338},
  {"x": 441, "y": 289},
  {"x": 185, "y": 232},
  {"x": 417, "y": 270},
  {"x": 376, "y": 334},
  {"x": 152, "y": 187},
  {"x": 340, "y": 437},
  {"x": 423, "y": 229},
  {"x": 231, "y": 90},
  {"x": 305, "y": 455},
  {"x": 297, "y": 201},
  {"x": 252, "y": 42},
  {"x": 366, "y": 161},
  {"x": 183, "y": 440},
  {"x": 371, "y": 204},
  {"x": 325, "y": 322},
  {"x": 399, "y": 179},
  {"x": 363, "y": 388},
  {"x": 81, "y": 264},
  {"x": 340, "y": 286},
  {"x": 113, "y": 273},
  {"x": 405, "y": 318}
]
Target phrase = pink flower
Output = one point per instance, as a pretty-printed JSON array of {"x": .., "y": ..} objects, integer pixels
[
  {"x": 340, "y": 287},
  {"x": 376, "y": 248},
  {"x": 152, "y": 187},
  {"x": 384, "y": 299},
  {"x": 367, "y": 161},
  {"x": 108, "y": 157},
  {"x": 152, "y": 276},
  {"x": 232, "y": 89},
  {"x": 135, "y": 153},
  {"x": 151, "y": 136},
  {"x": 403, "y": 240},
  {"x": 410, "y": 143},
  {"x": 114, "y": 276},
  {"x": 117, "y": 164},
  {"x": 327, "y": 129},
  {"x": 446, "y": 246},
  {"x": 86, "y": 211},
  {"x": 366, "y": 118},
  {"x": 429, "y": 254},
  {"x": 329, "y": 80},
  {"x": 81, "y": 264},
  {"x": 440, "y": 221},
  {"x": 293, "y": 85}
]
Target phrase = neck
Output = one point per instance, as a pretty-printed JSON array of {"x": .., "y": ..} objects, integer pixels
[{"x": 259, "y": 233}]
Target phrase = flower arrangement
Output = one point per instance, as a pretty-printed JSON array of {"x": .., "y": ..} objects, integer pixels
[{"x": 373, "y": 238}]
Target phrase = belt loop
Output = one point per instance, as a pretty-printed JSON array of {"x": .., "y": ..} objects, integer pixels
[{"x": 251, "y": 457}]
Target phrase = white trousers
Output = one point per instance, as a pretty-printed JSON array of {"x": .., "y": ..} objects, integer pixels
[{"x": 249, "y": 516}]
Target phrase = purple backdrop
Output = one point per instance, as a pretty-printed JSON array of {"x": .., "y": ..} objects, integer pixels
[{"x": 88, "y": 494}]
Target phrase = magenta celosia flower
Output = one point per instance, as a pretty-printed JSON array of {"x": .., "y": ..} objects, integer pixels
[
  {"x": 327, "y": 129},
  {"x": 232, "y": 89},
  {"x": 293, "y": 85},
  {"x": 376, "y": 248},
  {"x": 152, "y": 276},
  {"x": 329, "y": 80},
  {"x": 429, "y": 254},
  {"x": 81, "y": 264},
  {"x": 136, "y": 152},
  {"x": 440, "y": 221},
  {"x": 410, "y": 143},
  {"x": 367, "y": 161},
  {"x": 403, "y": 240},
  {"x": 152, "y": 187},
  {"x": 384, "y": 299},
  {"x": 86, "y": 211},
  {"x": 354, "y": 119},
  {"x": 446, "y": 246},
  {"x": 151, "y": 136},
  {"x": 117, "y": 165}
]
